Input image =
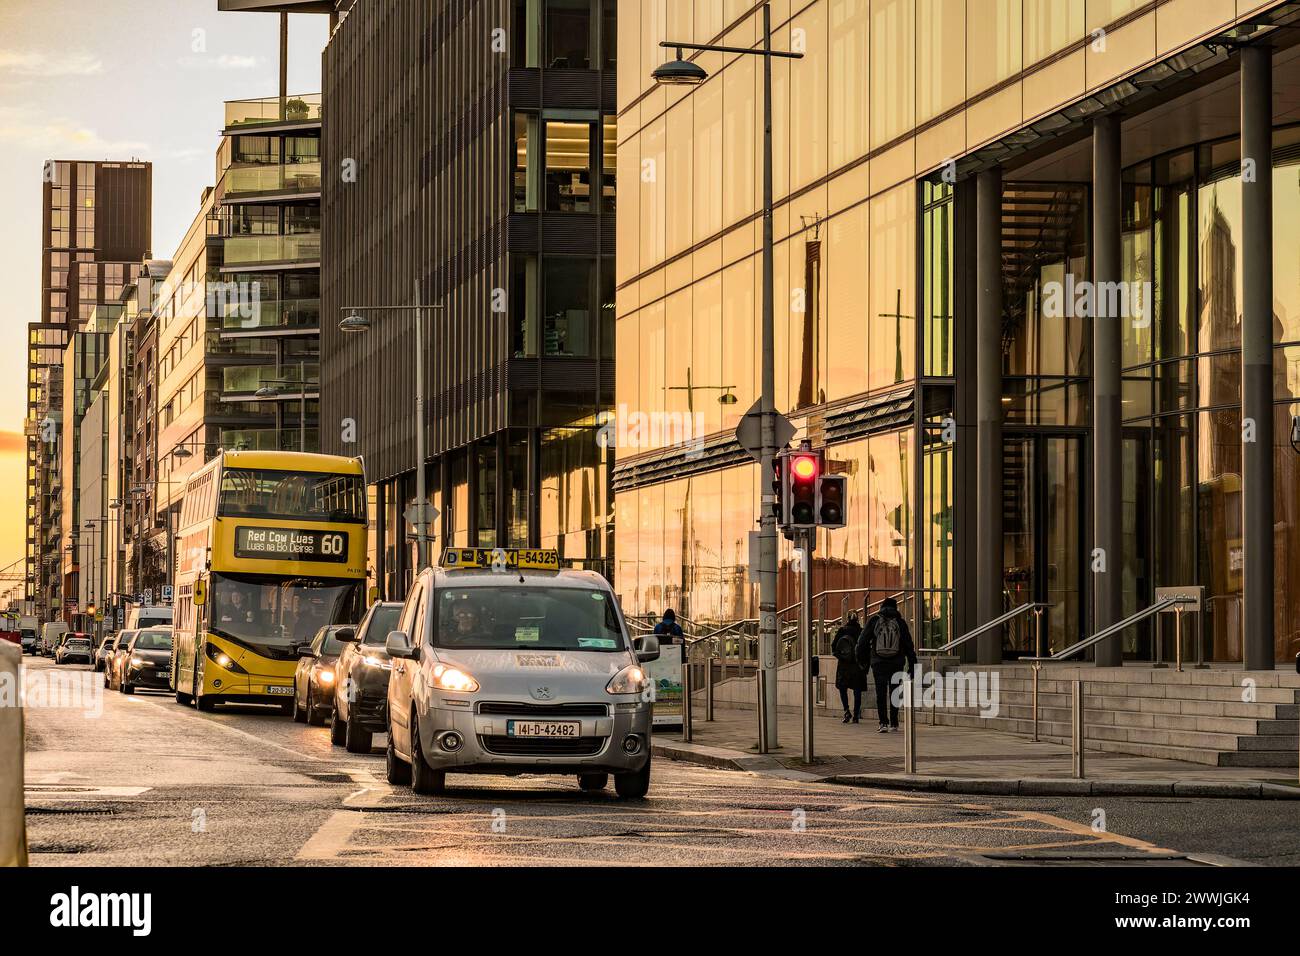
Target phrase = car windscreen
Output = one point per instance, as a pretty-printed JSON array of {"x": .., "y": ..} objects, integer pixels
[
  {"x": 383, "y": 620},
  {"x": 272, "y": 615},
  {"x": 153, "y": 641},
  {"x": 526, "y": 619}
]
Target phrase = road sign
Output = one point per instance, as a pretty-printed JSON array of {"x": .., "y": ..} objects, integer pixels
[
  {"x": 749, "y": 433},
  {"x": 148, "y": 595},
  {"x": 167, "y": 594},
  {"x": 415, "y": 510}
]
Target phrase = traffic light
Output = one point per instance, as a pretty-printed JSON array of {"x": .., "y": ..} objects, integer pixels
[
  {"x": 778, "y": 488},
  {"x": 802, "y": 469},
  {"x": 831, "y": 494}
]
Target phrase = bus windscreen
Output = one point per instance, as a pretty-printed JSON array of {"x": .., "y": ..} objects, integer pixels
[
  {"x": 271, "y": 615},
  {"x": 292, "y": 495}
]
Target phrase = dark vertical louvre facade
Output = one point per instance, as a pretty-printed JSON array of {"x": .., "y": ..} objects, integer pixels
[
  {"x": 414, "y": 100},
  {"x": 423, "y": 103}
]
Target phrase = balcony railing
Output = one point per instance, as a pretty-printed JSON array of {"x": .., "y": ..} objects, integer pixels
[
  {"x": 273, "y": 110},
  {"x": 249, "y": 378},
  {"x": 254, "y": 180},
  {"x": 266, "y": 439},
  {"x": 271, "y": 314},
  {"x": 262, "y": 250}
]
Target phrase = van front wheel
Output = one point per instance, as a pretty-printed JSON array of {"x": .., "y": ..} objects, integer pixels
[{"x": 635, "y": 785}]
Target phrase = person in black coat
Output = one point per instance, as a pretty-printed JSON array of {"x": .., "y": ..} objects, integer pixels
[
  {"x": 849, "y": 675},
  {"x": 886, "y": 647}
]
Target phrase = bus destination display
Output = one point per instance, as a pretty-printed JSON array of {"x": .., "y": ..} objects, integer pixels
[{"x": 291, "y": 544}]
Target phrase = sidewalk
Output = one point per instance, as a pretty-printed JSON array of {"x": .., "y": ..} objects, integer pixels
[{"x": 957, "y": 760}]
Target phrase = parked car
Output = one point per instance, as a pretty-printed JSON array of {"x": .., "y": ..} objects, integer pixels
[
  {"x": 75, "y": 646},
  {"x": 313, "y": 680},
  {"x": 361, "y": 681},
  {"x": 147, "y": 661},
  {"x": 105, "y": 653},
  {"x": 113, "y": 662}
]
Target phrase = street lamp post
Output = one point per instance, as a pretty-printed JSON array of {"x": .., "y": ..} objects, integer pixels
[
  {"x": 355, "y": 322},
  {"x": 682, "y": 72}
]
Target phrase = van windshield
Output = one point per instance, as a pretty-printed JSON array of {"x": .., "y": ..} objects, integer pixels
[{"x": 527, "y": 619}]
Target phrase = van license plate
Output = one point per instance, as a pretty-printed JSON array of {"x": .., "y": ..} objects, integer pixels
[{"x": 543, "y": 728}]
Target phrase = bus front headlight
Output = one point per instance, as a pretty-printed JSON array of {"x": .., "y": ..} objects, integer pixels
[
  {"x": 222, "y": 659},
  {"x": 630, "y": 680},
  {"x": 453, "y": 678}
]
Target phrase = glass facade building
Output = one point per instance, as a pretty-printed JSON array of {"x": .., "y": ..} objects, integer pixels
[{"x": 915, "y": 141}]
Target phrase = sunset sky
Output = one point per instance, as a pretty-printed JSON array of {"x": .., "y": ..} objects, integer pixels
[{"x": 114, "y": 80}]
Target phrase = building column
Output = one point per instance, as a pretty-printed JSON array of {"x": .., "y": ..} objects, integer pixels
[
  {"x": 988, "y": 410},
  {"x": 1107, "y": 441},
  {"x": 381, "y": 533},
  {"x": 1257, "y": 356}
]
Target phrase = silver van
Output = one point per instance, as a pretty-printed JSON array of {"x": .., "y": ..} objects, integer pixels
[{"x": 503, "y": 664}]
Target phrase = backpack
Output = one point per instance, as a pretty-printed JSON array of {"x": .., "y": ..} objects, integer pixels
[
  {"x": 889, "y": 641},
  {"x": 845, "y": 648}
]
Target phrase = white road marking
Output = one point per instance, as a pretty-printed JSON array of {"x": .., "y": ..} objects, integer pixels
[{"x": 242, "y": 733}]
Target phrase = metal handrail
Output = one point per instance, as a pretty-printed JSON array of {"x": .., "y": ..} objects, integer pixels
[
  {"x": 996, "y": 622},
  {"x": 1114, "y": 629}
]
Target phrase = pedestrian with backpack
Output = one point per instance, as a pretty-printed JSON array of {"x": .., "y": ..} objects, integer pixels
[
  {"x": 849, "y": 676},
  {"x": 886, "y": 648}
]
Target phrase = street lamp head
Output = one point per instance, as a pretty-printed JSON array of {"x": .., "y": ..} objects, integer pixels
[
  {"x": 728, "y": 398},
  {"x": 356, "y": 322},
  {"x": 267, "y": 391},
  {"x": 139, "y": 490},
  {"x": 680, "y": 72},
  {"x": 180, "y": 453}
]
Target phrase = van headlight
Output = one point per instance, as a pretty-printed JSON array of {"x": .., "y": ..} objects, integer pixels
[
  {"x": 630, "y": 680},
  {"x": 446, "y": 677}
]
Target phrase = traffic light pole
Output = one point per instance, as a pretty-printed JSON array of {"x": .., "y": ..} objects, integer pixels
[{"x": 808, "y": 543}]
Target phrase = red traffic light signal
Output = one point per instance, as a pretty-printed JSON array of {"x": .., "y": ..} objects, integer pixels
[{"x": 799, "y": 473}]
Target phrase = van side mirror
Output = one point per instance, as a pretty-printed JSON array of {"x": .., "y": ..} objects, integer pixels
[
  {"x": 646, "y": 648},
  {"x": 399, "y": 646}
]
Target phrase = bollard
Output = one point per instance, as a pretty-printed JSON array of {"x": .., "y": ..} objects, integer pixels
[
  {"x": 1038, "y": 663},
  {"x": 760, "y": 678},
  {"x": 686, "y": 696},
  {"x": 909, "y": 727},
  {"x": 708, "y": 689},
  {"x": 1076, "y": 728}
]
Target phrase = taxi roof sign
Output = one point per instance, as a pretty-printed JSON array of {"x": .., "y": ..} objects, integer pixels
[{"x": 501, "y": 559}]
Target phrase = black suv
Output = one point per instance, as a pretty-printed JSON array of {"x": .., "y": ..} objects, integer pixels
[{"x": 361, "y": 681}]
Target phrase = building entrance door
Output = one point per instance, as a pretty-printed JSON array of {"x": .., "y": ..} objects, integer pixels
[{"x": 1044, "y": 480}]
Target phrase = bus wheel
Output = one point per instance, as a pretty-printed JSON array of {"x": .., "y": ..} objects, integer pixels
[
  {"x": 398, "y": 770},
  {"x": 206, "y": 704},
  {"x": 424, "y": 779},
  {"x": 183, "y": 698}
]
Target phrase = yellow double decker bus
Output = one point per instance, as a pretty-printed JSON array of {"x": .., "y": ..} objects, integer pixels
[{"x": 272, "y": 547}]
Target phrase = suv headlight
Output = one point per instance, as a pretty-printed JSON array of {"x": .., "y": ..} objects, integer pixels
[
  {"x": 446, "y": 677},
  {"x": 374, "y": 660},
  {"x": 630, "y": 680}
]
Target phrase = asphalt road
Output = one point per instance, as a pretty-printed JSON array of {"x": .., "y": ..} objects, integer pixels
[{"x": 140, "y": 780}]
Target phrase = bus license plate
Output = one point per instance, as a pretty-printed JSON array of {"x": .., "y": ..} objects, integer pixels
[
  {"x": 273, "y": 689},
  {"x": 543, "y": 728}
]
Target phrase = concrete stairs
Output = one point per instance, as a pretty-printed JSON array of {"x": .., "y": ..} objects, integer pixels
[{"x": 1198, "y": 716}]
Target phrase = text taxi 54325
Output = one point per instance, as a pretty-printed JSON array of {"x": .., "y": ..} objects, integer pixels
[{"x": 503, "y": 663}]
